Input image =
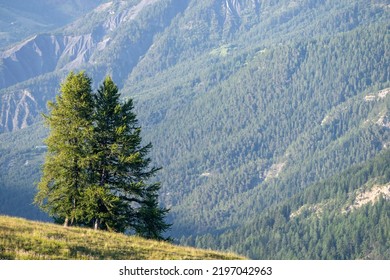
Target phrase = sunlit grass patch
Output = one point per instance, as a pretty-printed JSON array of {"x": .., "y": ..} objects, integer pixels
[{"x": 24, "y": 240}]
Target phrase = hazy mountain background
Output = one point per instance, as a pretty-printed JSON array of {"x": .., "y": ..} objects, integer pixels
[
  {"x": 20, "y": 19},
  {"x": 270, "y": 118}
]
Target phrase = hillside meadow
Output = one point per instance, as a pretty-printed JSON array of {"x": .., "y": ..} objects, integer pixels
[{"x": 21, "y": 239}]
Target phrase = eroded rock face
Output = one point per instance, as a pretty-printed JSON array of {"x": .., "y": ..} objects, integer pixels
[
  {"x": 42, "y": 54},
  {"x": 17, "y": 110},
  {"x": 45, "y": 53},
  {"x": 20, "y": 105},
  {"x": 76, "y": 47}
]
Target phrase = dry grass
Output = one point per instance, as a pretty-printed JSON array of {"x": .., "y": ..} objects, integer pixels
[{"x": 23, "y": 239}]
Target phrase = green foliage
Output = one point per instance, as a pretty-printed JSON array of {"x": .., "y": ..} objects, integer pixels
[
  {"x": 150, "y": 222},
  {"x": 96, "y": 169},
  {"x": 121, "y": 166},
  {"x": 70, "y": 122}
]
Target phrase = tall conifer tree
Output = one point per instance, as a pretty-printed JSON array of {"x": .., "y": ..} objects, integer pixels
[
  {"x": 64, "y": 177},
  {"x": 97, "y": 169},
  {"x": 123, "y": 166}
]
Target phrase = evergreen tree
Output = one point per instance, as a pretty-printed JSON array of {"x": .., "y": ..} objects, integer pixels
[
  {"x": 150, "y": 221},
  {"x": 122, "y": 168},
  {"x": 64, "y": 176},
  {"x": 96, "y": 170}
]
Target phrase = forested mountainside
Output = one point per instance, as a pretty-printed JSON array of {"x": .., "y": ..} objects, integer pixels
[
  {"x": 343, "y": 217},
  {"x": 270, "y": 118}
]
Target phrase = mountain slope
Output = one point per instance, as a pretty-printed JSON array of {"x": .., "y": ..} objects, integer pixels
[
  {"x": 91, "y": 40},
  {"x": 343, "y": 217},
  {"x": 22, "y": 239},
  {"x": 267, "y": 116},
  {"x": 249, "y": 104},
  {"x": 20, "y": 19}
]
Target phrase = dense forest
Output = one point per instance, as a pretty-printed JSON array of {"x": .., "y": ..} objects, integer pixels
[
  {"x": 269, "y": 120},
  {"x": 323, "y": 222}
]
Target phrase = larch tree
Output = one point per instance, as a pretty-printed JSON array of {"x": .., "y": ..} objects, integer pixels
[
  {"x": 64, "y": 178},
  {"x": 122, "y": 167},
  {"x": 97, "y": 170}
]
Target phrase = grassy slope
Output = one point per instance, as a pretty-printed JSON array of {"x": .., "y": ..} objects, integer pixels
[{"x": 24, "y": 239}]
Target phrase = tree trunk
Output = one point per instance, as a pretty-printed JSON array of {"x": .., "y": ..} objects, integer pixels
[
  {"x": 96, "y": 226},
  {"x": 66, "y": 223}
]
